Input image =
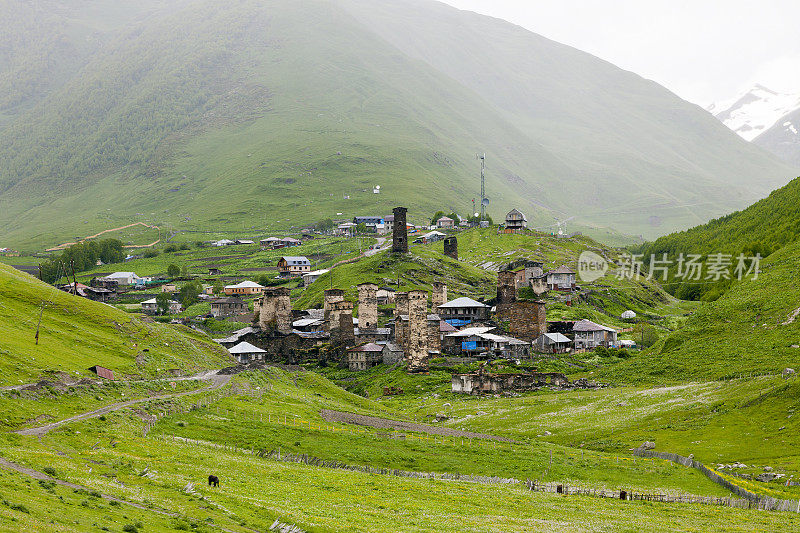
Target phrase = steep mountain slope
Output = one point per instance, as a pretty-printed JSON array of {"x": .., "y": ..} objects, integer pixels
[
  {"x": 767, "y": 118},
  {"x": 752, "y": 328},
  {"x": 76, "y": 334},
  {"x": 762, "y": 228},
  {"x": 247, "y": 113}
]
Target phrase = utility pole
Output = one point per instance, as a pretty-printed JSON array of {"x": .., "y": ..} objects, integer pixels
[{"x": 41, "y": 311}]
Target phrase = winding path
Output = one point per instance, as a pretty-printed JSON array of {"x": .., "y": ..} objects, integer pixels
[{"x": 217, "y": 381}]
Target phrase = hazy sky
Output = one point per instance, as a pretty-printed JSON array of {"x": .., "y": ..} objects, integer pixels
[{"x": 703, "y": 50}]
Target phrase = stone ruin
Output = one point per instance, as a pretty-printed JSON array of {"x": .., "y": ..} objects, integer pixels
[
  {"x": 451, "y": 247},
  {"x": 482, "y": 382}
]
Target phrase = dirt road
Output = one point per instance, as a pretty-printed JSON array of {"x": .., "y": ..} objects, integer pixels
[{"x": 217, "y": 381}]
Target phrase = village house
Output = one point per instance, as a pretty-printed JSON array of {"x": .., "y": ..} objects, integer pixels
[
  {"x": 225, "y": 307},
  {"x": 479, "y": 342},
  {"x": 552, "y": 343},
  {"x": 385, "y": 295},
  {"x": 463, "y": 311},
  {"x": 373, "y": 224},
  {"x": 270, "y": 243},
  {"x": 311, "y": 277},
  {"x": 293, "y": 266},
  {"x": 515, "y": 222},
  {"x": 169, "y": 287},
  {"x": 388, "y": 223},
  {"x": 214, "y": 271},
  {"x": 346, "y": 228},
  {"x": 124, "y": 279},
  {"x": 392, "y": 353},
  {"x": 589, "y": 335},
  {"x": 244, "y": 241},
  {"x": 223, "y": 242},
  {"x": 244, "y": 352},
  {"x": 561, "y": 279},
  {"x": 97, "y": 294},
  {"x": 245, "y": 288},
  {"x": 365, "y": 356},
  {"x": 430, "y": 237},
  {"x": 150, "y": 307},
  {"x": 445, "y": 223}
]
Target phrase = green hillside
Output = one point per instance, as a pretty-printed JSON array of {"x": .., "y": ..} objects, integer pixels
[
  {"x": 761, "y": 229},
  {"x": 752, "y": 328},
  {"x": 76, "y": 334},
  {"x": 251, "y": 114}
]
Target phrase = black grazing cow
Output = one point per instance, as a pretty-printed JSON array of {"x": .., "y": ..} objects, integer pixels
[{"x": 213, "y": 481}]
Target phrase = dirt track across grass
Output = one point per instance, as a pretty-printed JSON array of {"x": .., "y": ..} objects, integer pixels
[{"x": 385, "y": 423}]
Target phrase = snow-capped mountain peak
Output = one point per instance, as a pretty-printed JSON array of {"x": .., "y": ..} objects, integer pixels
[{"x": 756, "y": 111}]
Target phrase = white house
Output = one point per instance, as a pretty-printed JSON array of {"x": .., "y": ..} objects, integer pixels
[
  {"x": 124, "y": 278},
  {"x": 589, "y": 335},
  {"x": 244, "y": 352}
]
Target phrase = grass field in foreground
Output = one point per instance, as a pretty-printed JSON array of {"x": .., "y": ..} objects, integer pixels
[{"x": 255, "y": 491}]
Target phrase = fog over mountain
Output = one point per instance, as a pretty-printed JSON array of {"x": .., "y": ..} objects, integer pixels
[{"x": 202, "y": 113}]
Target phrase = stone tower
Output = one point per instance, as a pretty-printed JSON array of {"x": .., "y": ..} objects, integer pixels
[
  {"x": 340, "y": 323},
  {"x": 331, "y": 297},
  {"x": 451, "y": 247},
  {"x": 399, "y": 232},
  {"x": 274, "y": 311},
  {"x": 439, "y": 296},
  {"x": 367, "y": 307},
  {"x": 527, "y": 319},
  {"x": 417, "y": 353},
  {"x": 506, "y": 292},
  {"x": 401, "y": 327}
]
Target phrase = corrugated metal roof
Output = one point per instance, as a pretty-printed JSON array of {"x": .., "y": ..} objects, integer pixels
[
  {"x": 588, "y": 325},
  {"x": 245, "y": 347},
  {"x": 296, "y": 260},
  {"x": 464, "y": 301}
]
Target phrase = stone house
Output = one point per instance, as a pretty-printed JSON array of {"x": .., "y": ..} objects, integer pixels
[
  {"x": 365, "y": 356},
  {"x": 445, "y": 223},
  {"x": 150, "y": 307},
  {"x": 392, "y": 353},
  {"x": 224, "y": 307}
]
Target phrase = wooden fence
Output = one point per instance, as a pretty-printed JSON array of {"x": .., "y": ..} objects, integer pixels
[
  {"x": 553, "y": 487},
  {"x": 754, "y": 500}
]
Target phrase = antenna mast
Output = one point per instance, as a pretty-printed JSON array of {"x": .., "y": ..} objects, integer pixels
[{"x": 483, "y": 186}]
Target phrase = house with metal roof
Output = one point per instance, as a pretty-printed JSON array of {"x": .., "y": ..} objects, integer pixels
[
  {"x": 589, "y": 335},
  {"x": 244, "y": 352},
  {"x": 515, "y": 222},
  {"x": 311, "y": 277},
  {"x": 552, "y": 343},
  {"x": 561, "y": 279},
  {"x": 245, "y": 288},
  {"x": 365, "y": 356},
  {"x": 292, "y": 266},
  {"x": 463, "y": 311}
]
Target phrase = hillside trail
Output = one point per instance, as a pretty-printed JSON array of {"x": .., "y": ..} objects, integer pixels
[
  {"x": 200, "y": 375},
  {"x": 217, "y": 381}
]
